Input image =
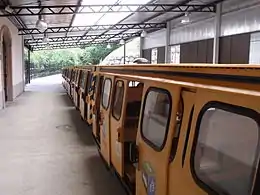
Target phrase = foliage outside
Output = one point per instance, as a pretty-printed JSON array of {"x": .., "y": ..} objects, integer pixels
[{"x": 48, "y": 62}]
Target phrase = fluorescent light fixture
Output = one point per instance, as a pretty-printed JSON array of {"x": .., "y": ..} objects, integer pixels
[
  {"x": 41, "y": 24},
  {"x": 144, "y": 33},
  {"x": 186, "y": 19},
  {"x": 45, "y": 39},
  {"x": 9, "y": 9},
  {"x": 122, "y": 42},
  {"x": 108, "y": 46},
  {"x": 49, "y": 47}
]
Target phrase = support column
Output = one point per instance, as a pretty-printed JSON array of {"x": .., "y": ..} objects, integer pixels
[
  {"x": 124, "y": 51},
  {"x": 29, "y": 66},
  {"x": 217, "y": 34},
  {"x": 141, "y": 46},
  {"x": 167, "y": 43}
]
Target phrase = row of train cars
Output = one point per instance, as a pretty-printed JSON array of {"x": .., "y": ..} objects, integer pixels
[{"x": 174, "y": 129}]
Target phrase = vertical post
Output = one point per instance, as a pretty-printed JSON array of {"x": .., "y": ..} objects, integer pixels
[
  {"x": 141, "y": 46},
  {"x": 124, "y": 51},
  {"x": 29, "y": 66},
  {"x": 23, "y": 63},
  {"x": 217, "y": 34},
  {"x": 167, "y": 43}
]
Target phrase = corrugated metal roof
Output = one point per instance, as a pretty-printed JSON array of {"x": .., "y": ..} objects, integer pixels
[{"x": 86, "y": 35}]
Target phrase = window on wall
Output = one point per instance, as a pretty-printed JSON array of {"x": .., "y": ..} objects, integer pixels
[
  {"x": 155, "y": 117},
  {"x": 175, "y": 54},
  {"x": 106, "y": 93},
  {"x": 254, "y": 57},
  {"x": 118, "y": 99},
  {"x": 154, "y": 56},
  {"x": 227, "y": 151}
]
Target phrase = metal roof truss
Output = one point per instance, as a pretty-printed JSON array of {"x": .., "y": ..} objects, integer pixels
[
  {"x": 85, "y": 9},
  {"x": 62, "y": 29}
]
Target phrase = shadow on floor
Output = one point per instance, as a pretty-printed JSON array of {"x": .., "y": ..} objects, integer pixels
[
  {"x": 82, "y": 129},
  {"x": 99, "y": 177},
  {"x": 95, "y": 168}
]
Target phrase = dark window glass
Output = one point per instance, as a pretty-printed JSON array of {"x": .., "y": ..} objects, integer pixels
[
  {"x": 156, "y": 116},
  {"x": 226, "y": 151},
  {"x": 118, "y": 99},
  {"x": 83, "y": 80},
  {"x": 106, "y": 93}
]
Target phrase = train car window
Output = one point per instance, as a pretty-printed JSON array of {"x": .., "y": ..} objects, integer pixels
[
  {"x": 227, "y": 149},
  {"x": 83, "y": 80},
  {"x": 89, "y": 82},
  {"x": 92, "y": 83},
  {"x": 73, "y": 75},
  {"x": 118, "y": 100},
  {"x": 155, "y": 117},
  {"x": 93, "y": 86},
  {"x": 76, "y": 76},
  {"x": 106, "y": 92}
]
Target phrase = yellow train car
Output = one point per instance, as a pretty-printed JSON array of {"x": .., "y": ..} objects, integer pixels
[
  {"x": 84, "y": 93},
  {"x": 66, "y": 76},
  {"x": 184, "y": 129}
]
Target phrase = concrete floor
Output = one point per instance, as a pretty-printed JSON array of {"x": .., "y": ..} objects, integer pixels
[{"x": 46, "y": 149}]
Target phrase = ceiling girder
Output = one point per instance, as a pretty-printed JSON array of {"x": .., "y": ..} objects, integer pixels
[
  {"x": 62, "y": 29},
  {"x": 41, "y": 45},
  {"x": 85, "y": 9},
  {"x": 63, "y": 47},
  {"x": 69, "y": 45},
  {"x": 78, "y": 38}
]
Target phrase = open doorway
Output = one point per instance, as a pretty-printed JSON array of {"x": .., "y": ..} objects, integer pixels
[{"x": 7, "y": 64}]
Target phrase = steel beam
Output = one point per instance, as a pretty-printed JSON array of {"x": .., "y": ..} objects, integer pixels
[
  {"x": 44, "y": 46},
  {"x": 119, "y": 8},
  {"x": 168, "y": 43},
  {"x": 78, "y": 38},
  {"x": 65, "y": 29},
  {"x": 67, "y": 45}
]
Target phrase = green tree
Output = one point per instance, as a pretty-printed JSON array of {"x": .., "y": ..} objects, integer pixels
[
  {"x": 93, "y": 55},
  {"x": 50, "y": 61}
]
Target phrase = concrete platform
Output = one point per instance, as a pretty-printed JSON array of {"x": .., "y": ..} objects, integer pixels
[{"x": 46, "y": 149}]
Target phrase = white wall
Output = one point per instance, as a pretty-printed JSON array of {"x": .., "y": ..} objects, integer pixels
[
  {"x": 116, "y": 56},
  {"x": 17, "y": 59},
  {"x": 156, "y": 39},
  {"x": 237, "y": 17}
]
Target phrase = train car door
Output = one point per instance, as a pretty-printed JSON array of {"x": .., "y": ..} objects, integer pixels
[
  {"x": 84, "y": 83},
  {"x": 154, "y": 138},
  {"x": 105, "y": 107},
  {"x": 224, "y": 143},
  {"x": 90, "y": 98},
  {"x": 87, "y": 98},
  {"x": 75, "y": 93},
  {"x": 96, "y": 108},
  {"x": 117, "y": 122},
  {"x": 176, "y": 180}
]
